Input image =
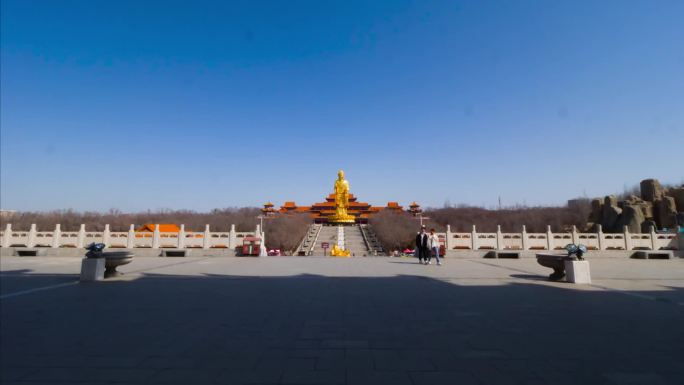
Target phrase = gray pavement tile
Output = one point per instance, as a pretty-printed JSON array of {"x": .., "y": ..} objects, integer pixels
[
  {"x": 315, "y": 353},
  {"x": 323, "y": 377},
  {"x": 370, "y": 320},
  {"x": 240, "y": 377},
  {"x": 271, "y": 363},
  {"x": 495, "y": 377},
  {"x": 56, "y": 375},
  {"x": 373, "y": 377},
  {"x": 443, "y": 378},
  {"x": 117, "y": 374},
  {"x": 159, "y": 362},
  {"x": 394, "y": 360},
  {"x": 10, "y": 373},
  {"x": 641, "y": 378},
  {"x": 185, "y": 376},
  {"x": 352, "y": 359},
  {"x": 89, "y": 374},
  {"x": 344, "y": 344},
  {"x": 246, "y": 362}
]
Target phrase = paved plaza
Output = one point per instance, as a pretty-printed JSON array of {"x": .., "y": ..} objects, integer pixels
[{"x": 288, "y": 320}]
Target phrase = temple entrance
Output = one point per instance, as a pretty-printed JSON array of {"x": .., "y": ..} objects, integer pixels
[{"x": 341, "y": 222}]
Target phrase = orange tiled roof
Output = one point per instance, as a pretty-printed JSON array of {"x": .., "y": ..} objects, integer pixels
[
  {"x": 323, "y": 210},
  {"x": 163, "y": 228}
]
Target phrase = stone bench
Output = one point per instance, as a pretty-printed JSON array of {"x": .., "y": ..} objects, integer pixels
[
  {"x": 653, "y": 254},
  {"x": 175, "y": 253},
  {"x": 503, "y": 254},
  {"x": 30, "y": 252}
]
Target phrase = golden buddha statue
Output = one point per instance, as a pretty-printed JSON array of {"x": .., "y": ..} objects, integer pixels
[
  {"x": 341, "y": 201},
  {"x": 339, "y": 252}
]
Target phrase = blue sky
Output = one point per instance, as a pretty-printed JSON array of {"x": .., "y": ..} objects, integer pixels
[{"x": 197, "y": 104}]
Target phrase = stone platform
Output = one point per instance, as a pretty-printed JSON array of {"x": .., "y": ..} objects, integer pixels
[{"x": 289, "y": 320}]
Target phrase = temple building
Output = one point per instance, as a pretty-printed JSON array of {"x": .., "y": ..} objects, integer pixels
[
  {"x": 268, "y": 210},
  {"x": 414, "y": 208},
  {"x": 321, "y": 211},
  {"x": 340, "y": 207}
]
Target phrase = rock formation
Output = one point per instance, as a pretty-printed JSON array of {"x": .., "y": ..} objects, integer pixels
[
  {"x": 656, "y": 206},
  {"x": 651, "y": 190}
]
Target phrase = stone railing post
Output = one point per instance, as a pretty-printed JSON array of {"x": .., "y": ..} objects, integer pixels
[
  {"x": 499, "y": 238},
  {"x": 181, "y": 237},
  {"x": 80, "y": 239},
  {"x": 7, "y": 237},
  {"x": 207, "y": 238},
  {"x": 654, "y": 238},
  {"x": 106, "y": 236},
  {"x": 628, "y": 238},
  {"x": 232, "y": 238},
  {"x": 600, "y": 236},
  {"x": 31, "y": 242},
  {"x": 575, "y": 237},
  {"x": 56, "y": 236},
  {"x": 473, "y": 238},
  {"x": 447, "y": 241},
  {"x": 130, "y": 241},
  {"x": 680, "y": 239},
  {"x": 549, "y": 238},
  {"x": 524, "y": 238},
  {"x": 156, "y": 237}
]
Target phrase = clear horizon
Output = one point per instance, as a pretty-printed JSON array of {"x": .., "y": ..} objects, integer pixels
[{"x": 203, "y": 105}]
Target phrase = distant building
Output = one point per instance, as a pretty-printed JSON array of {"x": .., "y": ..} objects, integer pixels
[
  {"x": 163, "y": 228},
  {"x": 7, "y": 214}
]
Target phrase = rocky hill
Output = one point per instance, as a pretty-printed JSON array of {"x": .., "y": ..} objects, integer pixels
[{"x": 656, "y": 206}]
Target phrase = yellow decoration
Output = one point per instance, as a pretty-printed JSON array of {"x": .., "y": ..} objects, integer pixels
[
  {"x": 341, "y": 201},
  {"x": 337, "y": 252}
]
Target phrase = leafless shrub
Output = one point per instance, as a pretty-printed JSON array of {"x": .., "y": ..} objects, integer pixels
[
  {"x": 395, "y": 230},
  {"x": 284, "y": 232},
  {"x": 512, "y": 219},
  {"x": 218, "y": 219}
]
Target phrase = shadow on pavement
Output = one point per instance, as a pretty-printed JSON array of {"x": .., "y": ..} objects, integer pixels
[
  {"x": 531, "y": 277},
  {"x": 24, "y": 279},
  {"x": 311, "y": 329}
]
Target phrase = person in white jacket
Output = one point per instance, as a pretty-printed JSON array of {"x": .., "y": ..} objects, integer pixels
[{"x": 433, "y": 245}]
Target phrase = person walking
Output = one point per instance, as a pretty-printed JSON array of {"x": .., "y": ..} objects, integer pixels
[
  {"x": 422, "y": 246},
  {"x": 433, "y": 246}
]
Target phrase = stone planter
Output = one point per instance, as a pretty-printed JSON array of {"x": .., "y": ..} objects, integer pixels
[
  {"x": 555, "y": 262},
  {"x": 114, "y": 259}
]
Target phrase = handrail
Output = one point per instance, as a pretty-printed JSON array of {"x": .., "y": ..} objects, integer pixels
[{"x": 313, "y": 244}]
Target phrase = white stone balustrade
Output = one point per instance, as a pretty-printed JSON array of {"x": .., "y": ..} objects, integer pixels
[
  {"x": 557, "y": 241},
  {"x": 474, "y": 240},
  {"x": 130, "y": 239}
]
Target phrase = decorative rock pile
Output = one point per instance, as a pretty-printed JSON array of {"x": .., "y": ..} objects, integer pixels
[{"x": 657, "y": 206}]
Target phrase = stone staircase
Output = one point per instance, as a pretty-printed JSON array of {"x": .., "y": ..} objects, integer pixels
[
  {"x": 354, "y": 241},
  {"x": 327, "y": 234},
  {"x": 371, "y": 240},
  {"x": 359, "y": 240},
  {"x": 307, "y": 245}
]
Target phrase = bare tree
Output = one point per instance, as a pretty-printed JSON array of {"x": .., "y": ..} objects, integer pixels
[
  {"x": 244, "y": 219},
  {"x": 395, "y": 230},
  {"x": 512, "y": 219},
  {"x": 285, "y": 232}
]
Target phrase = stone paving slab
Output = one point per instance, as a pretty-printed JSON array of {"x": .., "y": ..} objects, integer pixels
[{"x": 340, "y": 321}]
